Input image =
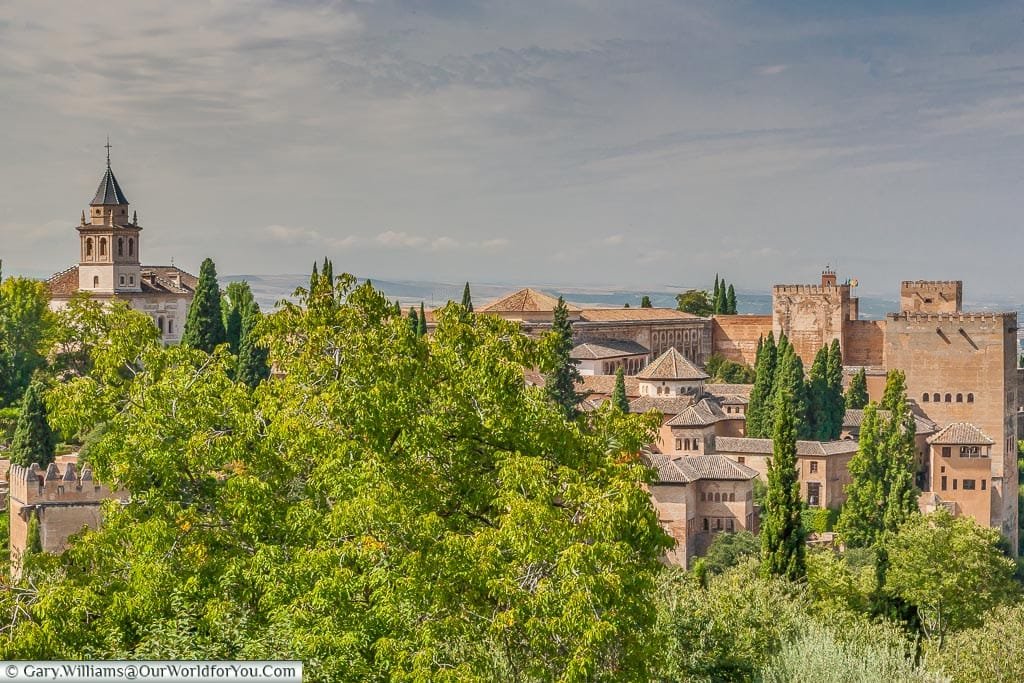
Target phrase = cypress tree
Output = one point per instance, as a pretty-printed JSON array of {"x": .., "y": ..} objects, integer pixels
[
  {"x": 730, "y": 299},
  {"x": 327, "y": 274},
  {"x": 819, "y": 413},
  {"x": 467, "y": 299},
  {"x": 789, "y": 381},
  {"x": 421, "y": 324},
  {"x": 759, "y": 407},
  {"x": 716, "y": 296},
  {"x": 233, "y": 327},
  {"x": 834, "y": 382},
  {"x": 899, "y": 436},
  {"x": 204, "y": 327},
  {"x": 645, "y": 302},
  {"x": 398, "y": 308},
  {"x": 857, "y": 394},
  {"x": 414, "y": 321},
  {"x": 619, "y": 400},
  {"x": 562, "y": 374},
  {"x": 253, "y": 365},
  {"x": 782, "y": 531},
  {"x": 314, "y": 280},
  {"x": 862, "y": 517},
  {"x": 34, "y": 441}
]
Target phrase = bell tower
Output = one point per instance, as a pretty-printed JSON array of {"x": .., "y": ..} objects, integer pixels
[{"x": 109, "y": 241}]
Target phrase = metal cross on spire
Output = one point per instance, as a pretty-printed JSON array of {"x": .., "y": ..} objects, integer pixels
[{"x": 108, "y": 151}]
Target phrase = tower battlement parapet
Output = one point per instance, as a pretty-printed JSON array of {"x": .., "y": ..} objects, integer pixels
[
  {"x": 982, "y": 316},
  {"x": 931, "y": 283},
  {"x": 809, "y": 289},
  {"x": 931, "y": 296},
  {"x": 35, "y": 486}
]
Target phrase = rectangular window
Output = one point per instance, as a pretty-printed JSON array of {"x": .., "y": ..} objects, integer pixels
[
  {"x": 679, "y": 444},
  {"x": 122, "y": 279},
  {"x": 814, "y": 467},
  {"x": 943, "y": 483},
  {"x": 813, "y": 494},
  {"x": 718, "y": 524},
  {"x": 968, "y": 484},
  {"x": 983, "y": 484},
  {"x": 741, "y": 460},
  {"x": 954, "y": 484},
  {"x": 728, "y": 525},
  {"x": 946, "y": 451}
]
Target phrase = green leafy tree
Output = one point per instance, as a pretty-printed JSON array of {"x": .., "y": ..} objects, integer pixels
[
  {"x": 204, "y": 327},
  {"x": 560, "y": 372},
  {"x": 379, "y": 478},
  {"x": 33, "y": 540},
  {"x": 421, "y": 323},
  {"x": 729, "y": 549},
  {"x": 950, "y": 569},
  {"x": 253, "y": 366},
  {"x": 645, "y": 302},
  {"x": 730, "y": 301},
  {"x": 695, "y": 302},
  {"x": 34, "y": 441},
  {"x": 857, "y": 393},
  {"x": 862, "y": 519},
  {"x": 980, "y": 653},
  {"x": 467, "y": 299},
  {"x": 619, "y": 400},
  {"x": 759, "y": 414},
  {"x": 25, "y": 324},
  {"x": 782, "y": 532},
  {"x": 729, "y": 372}
]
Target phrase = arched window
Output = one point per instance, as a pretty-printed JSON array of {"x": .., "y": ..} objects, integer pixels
[
  {"x": 131, "y": 246},
  {"x": 959, "y": 398},
  {"x": 970, "y": 398},
  {"x": 732, "y": 497},
  {"x": 949, "y": 398},
  {"x": 924, "y": 398},
  {"x": 95, "y": 281},
  {"x": 88, "y": 247},
  {"x": 936, "y": 398},
  {"x": 718, "y": 497},
  {"x": 103, "y": 246},
  {"x": 120, "y": 246}
]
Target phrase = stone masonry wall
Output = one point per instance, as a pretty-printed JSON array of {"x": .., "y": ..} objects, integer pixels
[
  {"x": 865, "y": 343},
  {"x": 735, "y": 336}
]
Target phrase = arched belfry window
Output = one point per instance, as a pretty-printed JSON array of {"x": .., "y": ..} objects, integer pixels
[
  {"x": 120, "y": 246},
  {"x": 88, "y": 247},
  {"x": 103, "y": 246},
  {"x": 95, "y": 281},
  {"x": 131, "y": 246}
]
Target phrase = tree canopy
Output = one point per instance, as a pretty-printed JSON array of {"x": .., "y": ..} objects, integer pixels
[{"x": 204, "y": 327}]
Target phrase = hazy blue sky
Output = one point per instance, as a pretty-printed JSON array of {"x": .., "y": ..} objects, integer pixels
[{"x": 627, "y": 143}]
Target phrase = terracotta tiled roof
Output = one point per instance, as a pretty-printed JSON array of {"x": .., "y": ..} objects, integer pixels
[
  {"x": 854, "y": 418},
  {"x": 688, "y": 469},
  {"x": 605, "y": 384},
  {"x": 631, "y": 314},
  {"x": 672, "y": 365},
  {"x": 666, "y": 405},
  {"x": 65, "y": 283},
  {"x": 724, "y": 391},
  {"x": 959, "y": 433},
  {"x": 700, "y": 414},
  {"x": 735, "y": 444},
  {"x": 525, "y": 300},
  {"x": 608, "y": 348}
]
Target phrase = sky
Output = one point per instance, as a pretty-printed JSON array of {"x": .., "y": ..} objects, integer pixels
[{"x": 631, "y": 144}]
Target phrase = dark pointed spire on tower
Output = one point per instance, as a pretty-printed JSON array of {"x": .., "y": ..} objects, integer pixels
[{"x": 109, "y": 192}]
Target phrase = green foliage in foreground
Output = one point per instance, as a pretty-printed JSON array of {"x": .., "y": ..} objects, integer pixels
[
  {"x": 729, "y": 372},
  {"x": 395, "y": 508}
]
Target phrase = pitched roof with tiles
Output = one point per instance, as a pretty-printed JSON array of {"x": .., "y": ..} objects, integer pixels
[
  {"x": 605, "y": 384},
  {"x": 608, "y": 348},
  {"x": 672, "y": 365},
  {"x": 525, "y": 301},
  {"x": 701, "y": 414},
  {"x": 737, "y": 444},
  {"x": 961, "y": 433},
  {"x": 666, "y": 405},
  {"x": 156, "y": 280},
  {"x": 688, "y": 469},
  {"x": 109, "y": 192},
  {"x": 633, "y": 314},
  {"x": 729, "y": 391}
]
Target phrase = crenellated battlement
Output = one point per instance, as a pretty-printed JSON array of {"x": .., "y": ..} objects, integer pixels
[
  {"x": 984, "y": 316},
  {"x": 35, "y": 486},
  {"x": 809, "y": 289},
  {"x": 931, "y": 296},
  {"x": 931, "y": 283}
]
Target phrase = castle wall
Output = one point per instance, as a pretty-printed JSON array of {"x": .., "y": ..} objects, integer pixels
[
  {"x": 969, "y": 360},
  {"x": 865, "y": 343},
  {"x": 931, "y": 296},
  {"x": 691, "y": 337},
  {"x": 811, "y": 316},
  {"x": 734, "y": 337}
]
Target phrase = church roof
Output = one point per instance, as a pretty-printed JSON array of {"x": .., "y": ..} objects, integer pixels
[
  {"x": 109, "y": 191},
  {"x": 671, "y": 365},
  {"x": 156, "y": 280},
  {"x": 960, "y": 433},
  {"x": 525, "y": 300}
]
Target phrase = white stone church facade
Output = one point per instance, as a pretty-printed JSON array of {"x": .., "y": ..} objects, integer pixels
[{"x": 109, "y": 265}]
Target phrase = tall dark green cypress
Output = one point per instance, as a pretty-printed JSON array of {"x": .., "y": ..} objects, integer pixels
[
  {"x": 561, "y": 375},
  {"x": 34, "y": 441},
  {"x": 327, "y": 273},
  {"x": 730, "y": 301},
  {"x": 857, "y": 393},
  {"x": 818, "y": 406},
  {"x": 789, "y": 380},
  {"x": 421, "y": 324},
  {"x": 834, "y": 382},
  {"x": 645, "y": 302},
  {"x": 253, "y": 366},
  {"x": 782, "y": 532},
  {"x": 314, "y": 280},
  {"x": 619, "y": 399},
  {"x": 759, "y": 408},
  {"x": 233, "y": 327},
  {"x": 414, "y": 321},
  {"x": 716, "y": 296},
  {"x": 398, "y": 308},
  {"x": 204, "y": 327},
  {"x": 467, "y": 299}
]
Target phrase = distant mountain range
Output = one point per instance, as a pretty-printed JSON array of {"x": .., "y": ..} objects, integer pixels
[{"x": 269, "y": 289}]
